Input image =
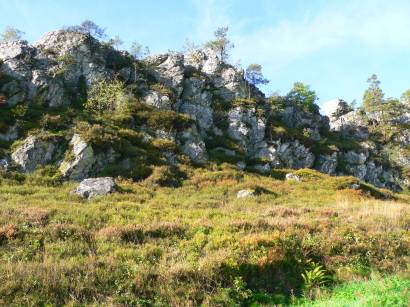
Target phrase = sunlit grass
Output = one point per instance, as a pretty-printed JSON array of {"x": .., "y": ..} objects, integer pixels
[{"x": 195, "y": 244}]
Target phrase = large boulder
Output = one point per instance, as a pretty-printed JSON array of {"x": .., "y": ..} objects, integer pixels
[
  {"x": 32, "y": 152},
  {"x": 80, "y": 160},
  {"x": 93, "y": 187}
]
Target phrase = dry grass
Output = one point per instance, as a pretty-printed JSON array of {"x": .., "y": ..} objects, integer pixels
[{"x": 194, "y": 244}]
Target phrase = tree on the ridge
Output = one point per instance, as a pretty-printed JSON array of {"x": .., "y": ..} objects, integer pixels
[
  {"x": 405, "y": 98},
  {"x": 115, "y": 42},
  {"x": 254, "y": 75},
  {"x": 373, "y": 97},
  {"x": 90, "y": 28},
  {"x": 302, "y": 95},
  {"x": 221, "y": 43},
  {"x": 10, "y": 34},
  {"x": 136, "y": 50},
  {"x": 342, "y": 108}
]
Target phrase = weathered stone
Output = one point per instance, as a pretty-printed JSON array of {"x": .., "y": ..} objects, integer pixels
[
  {"x": 245, "y": 193},
  {"x": 328, "y": 163},
  {"x": 157, "y": 100},
  {"x": 33, "y": 152},
  {"x": 291, "y": 176},
  {"x": 193, "y": 145},
  {"x": 80, "y": 160},
  {"x": 93, "y": 187}
]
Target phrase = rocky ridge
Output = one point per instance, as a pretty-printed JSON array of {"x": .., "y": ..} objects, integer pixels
[{"x": 216, "y": 117}]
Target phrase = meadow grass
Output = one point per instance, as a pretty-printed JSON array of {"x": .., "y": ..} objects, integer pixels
[{"x": 198, "y": 244}]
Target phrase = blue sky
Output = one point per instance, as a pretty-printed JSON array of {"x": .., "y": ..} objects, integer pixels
[{"x": 331, "y": 45}]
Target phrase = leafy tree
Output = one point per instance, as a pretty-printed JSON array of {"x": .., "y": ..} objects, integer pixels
[
  {"x": 389, "y": 110},
  {"x": 136, "y": 50},
  {"x": 116, "y": 42},
  {"x": 302, "y": 95},
  {"x": 221, "y": 43},
  {"x": 90, "y": 28},
  {"x": 405, "y": 98},
  {"x": 253, "y": 74},
  {"x": 11, "y": 34},
  {"x": 342, "y": 108},
  {"x": 373, "y": 96}
]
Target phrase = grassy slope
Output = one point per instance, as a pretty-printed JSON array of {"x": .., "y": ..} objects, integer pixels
[
  {"x": 197, "y": 243},
  {"x": 392, "y": 291}
]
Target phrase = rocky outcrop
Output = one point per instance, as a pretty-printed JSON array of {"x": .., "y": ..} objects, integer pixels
[
  {"x": 79, "y": 160},
  {"x": 93, "y": 187},
  {"x": 33, "y": 152},
  {"x": 227, "y": 116}
]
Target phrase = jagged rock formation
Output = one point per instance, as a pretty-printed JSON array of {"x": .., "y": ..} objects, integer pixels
[{"x": 215, "y": 116}]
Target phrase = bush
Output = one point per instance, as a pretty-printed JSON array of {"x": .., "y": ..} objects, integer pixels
[
  {"x": 106, "y": 95},
  {"x": 165, "y": 176}
]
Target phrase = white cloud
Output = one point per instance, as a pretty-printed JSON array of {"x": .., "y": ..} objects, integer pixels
[{"x": 329, "y": 107}]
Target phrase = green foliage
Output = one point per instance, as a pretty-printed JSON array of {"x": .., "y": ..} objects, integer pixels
[
  {"x": 11, "y": 34},
  {"x": 304, "y": 97},
  {"x": 245, "y": 102},
  {"x": 221, "y": 43},
  {"x": 253, "y": 74},
  {"x": 165, "y": 176},
  {"x": 342, "y": 109},
  {"x": 106, "y": 96},
  {"x": 315, "y": 276},
  {"x": 373, "y": 96},
  {"x": 45, "y": 176},
  {"x": 64, "y": 61},
  {"x": 388, "y": 291},
  {"x": 144, "y": 244},
  {"x": 162, "y": 89},
  {"x": 404, "y": 99}
]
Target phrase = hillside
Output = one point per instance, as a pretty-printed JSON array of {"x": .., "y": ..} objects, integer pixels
[
  {"x": 214, "y": 194},
  {"x": 85, "y": 109}
]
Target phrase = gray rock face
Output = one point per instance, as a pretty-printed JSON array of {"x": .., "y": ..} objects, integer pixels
[
  {"x": 294, "y": 117},
  {"x": 93, "y": 187},
  {"x": 193, "y": 145},
  {"x": 4, "y": 164},
  {"x": 293, "y": 155},
  {"x": 328, "y": 163},
  {"x": 350, "y": 125},
  {"x": 157, "y": 100},
  {"x": 81, "y": 160},
  {"x": 168, "y": 69},
  {"x": 52, "y": 71},
  {"x": 33, "y": 152},
  {"x": 246, "y": 128},
  {"x": 10, "y": 135}
]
